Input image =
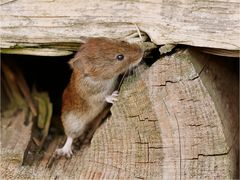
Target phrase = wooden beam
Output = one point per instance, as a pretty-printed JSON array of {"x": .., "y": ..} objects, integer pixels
[{"x": 47, "y": 24}]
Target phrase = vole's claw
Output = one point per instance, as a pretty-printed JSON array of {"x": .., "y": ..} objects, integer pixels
[
  {"x": 112, "y": 98},
  {"x": 67, "y": 152},
  {"x": 115, "y": 93}
]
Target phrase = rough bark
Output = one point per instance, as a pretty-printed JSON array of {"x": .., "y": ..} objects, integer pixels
[
  {"x": 53, "y": 27},
  {"x": 166, "y": 125}
]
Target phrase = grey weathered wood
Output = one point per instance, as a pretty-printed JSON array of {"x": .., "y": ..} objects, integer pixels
[
  {"x": 15, "y": 136},
  {"x": 52, "y": 24}
]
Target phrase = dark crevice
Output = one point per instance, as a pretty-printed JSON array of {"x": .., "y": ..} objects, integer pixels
[
  {"x": 155, "y": 54},
  {"x": 175, "y": 50},
  {"x": 46, "y": 74},
  {"x": 152, "y": 57},
  {"x": 50, "y": 74}
]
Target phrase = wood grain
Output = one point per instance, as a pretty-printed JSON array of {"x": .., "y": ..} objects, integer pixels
[
  {"x": 15, "y": 136},
  {"x": 45, "y": 24}
]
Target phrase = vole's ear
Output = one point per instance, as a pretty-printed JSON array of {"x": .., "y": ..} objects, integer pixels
[
  {"x": 75, "y": 62},
  {"x": 84, "y": 39}
]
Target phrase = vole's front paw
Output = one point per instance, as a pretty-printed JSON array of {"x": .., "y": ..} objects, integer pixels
[
  {"x": 112, "y": 98},
  {"x": 67, "y": 152}
]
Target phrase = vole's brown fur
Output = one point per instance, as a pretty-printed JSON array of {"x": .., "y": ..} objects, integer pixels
[{"x": 95, "y": 71}]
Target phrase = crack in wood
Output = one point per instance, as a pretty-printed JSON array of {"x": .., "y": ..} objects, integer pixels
[
  {"x": 216, "y": 154},
  {"x": 207, "y": 155},
  {"x": 138, "y": 177},
  {"x": 180, "y": 147},
  {"x": 165, "y": 83},
  {"x": 198, "y": 74},
  {"x": 7, "y": 2}
]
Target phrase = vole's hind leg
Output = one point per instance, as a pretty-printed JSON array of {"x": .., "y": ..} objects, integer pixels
[
  {"x": 74, "y": 126},
  {"x": 66, "y": 150}
]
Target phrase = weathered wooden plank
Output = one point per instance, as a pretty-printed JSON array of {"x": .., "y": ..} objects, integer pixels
[
  {"x": 191, "y": 127},
  {"x": 221, "y": 77},
  {"x": 198, "y": 23},
  {"x": 15, "y": 136}
]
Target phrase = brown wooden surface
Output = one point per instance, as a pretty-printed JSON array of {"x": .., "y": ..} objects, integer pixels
[
  {"x": 53, "y": 28},
  {"x": 166, "y": 125}
]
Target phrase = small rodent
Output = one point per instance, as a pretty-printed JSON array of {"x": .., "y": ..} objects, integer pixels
[{"x": 96, "y": 67}]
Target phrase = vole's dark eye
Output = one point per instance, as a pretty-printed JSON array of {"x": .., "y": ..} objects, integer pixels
[{"x": 120, "y": 57}]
